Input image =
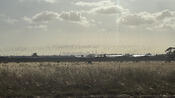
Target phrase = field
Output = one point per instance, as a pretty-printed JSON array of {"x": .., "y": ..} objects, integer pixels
[{"x": 81, "y": 78}]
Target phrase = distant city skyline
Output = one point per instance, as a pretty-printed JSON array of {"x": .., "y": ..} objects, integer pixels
[{"x": 143, "y": 26}]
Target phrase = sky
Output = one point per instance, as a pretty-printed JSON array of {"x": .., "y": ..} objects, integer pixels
[{"x": 86, "y": 26}]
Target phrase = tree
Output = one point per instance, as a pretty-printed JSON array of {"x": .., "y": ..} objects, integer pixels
[
  {"x": 170, "y": 53},
  {"x": 35, "y": 55}
]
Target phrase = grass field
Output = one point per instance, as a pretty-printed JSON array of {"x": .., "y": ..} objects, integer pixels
[{"x": 80, "y": 78}]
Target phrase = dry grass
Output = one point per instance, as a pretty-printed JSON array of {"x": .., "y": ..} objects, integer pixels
[{"x": 78, "y": 78}]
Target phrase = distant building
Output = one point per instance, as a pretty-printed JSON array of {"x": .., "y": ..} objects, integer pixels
[
  {"x": 91, "y": 56},
  {"x": 148, "y": 54},
  {"x": 128, "y": 55}
]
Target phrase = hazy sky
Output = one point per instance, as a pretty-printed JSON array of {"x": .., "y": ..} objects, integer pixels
[{"x": 45, "y": 23}]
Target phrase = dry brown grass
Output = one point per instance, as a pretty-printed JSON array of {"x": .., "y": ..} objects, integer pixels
[{"x": 79, "y": 78}]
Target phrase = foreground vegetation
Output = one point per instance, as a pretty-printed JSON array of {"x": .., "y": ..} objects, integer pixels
[{"x": 78, "y": 78}]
